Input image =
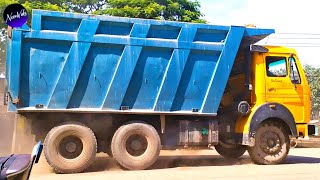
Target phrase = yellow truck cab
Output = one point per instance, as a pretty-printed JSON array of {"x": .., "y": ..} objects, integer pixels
[
  {"x": 281, "y": 95},
  {"x": 288, "y": 85}
]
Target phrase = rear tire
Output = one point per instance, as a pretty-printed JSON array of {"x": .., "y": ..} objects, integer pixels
[
  {"x": 136, "y": 146},
  {"x": 70, "y": 147},
  {"x": 271, "y": 144},
  {"x": 233, "y": 151}
]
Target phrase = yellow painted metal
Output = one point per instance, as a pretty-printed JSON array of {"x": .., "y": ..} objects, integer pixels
[
  {"x": 302, "y": 129},
  {"x": 295, "y": 97}
]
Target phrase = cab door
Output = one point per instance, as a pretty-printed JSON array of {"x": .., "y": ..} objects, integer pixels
[{"x": 283, "y": 84}]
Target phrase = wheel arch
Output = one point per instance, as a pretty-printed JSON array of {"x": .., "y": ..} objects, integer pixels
[{"x": 273, "y": 111}]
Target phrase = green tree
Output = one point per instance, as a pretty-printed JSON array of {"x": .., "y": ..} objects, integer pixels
[
  {"x": 313, "y": 76},
  {"x": 3, "y": 5},
  {"x": 80, "y": 6},
  {"x": 85, "y": 6},
  {"x": 174, "y": 10},
  {"x": 29, "y": 5}
]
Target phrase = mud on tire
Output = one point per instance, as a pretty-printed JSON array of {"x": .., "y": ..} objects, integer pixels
[
  {"x": 70, "y": 147},
  {"x": 271, "y": 144},
  {"x": 136, "y": 145}
]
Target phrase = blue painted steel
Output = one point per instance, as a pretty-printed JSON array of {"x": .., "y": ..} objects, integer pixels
[
  {"x": 218, "y": 78},
  {"x": 74, "y": 62},
  {"x": 122, "y": 77}
]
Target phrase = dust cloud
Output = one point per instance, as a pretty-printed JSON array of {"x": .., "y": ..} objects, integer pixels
[
  {"x": 7, "y": 121},
  {"x": 14, "y": 135},
  {"x": 172, "y": 159}
]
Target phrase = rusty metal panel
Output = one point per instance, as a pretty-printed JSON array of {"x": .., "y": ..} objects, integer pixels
[{"x": 213, "y": 136}]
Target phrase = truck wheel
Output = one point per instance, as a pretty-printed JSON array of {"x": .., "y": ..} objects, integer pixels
[
  {"x": 136, "y": 146},
  {"x": 271, "y": 144},
  {"x": 233, "y": 151},
  {"x": 70, "y": 147}
]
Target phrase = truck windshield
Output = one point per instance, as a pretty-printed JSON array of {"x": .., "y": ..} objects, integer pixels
[{"x": 276, "y": 66}]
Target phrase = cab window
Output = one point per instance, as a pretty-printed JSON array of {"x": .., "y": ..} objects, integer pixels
[
  {"x": 276, "y": 66},
  {"x": 294, "y": 73}
]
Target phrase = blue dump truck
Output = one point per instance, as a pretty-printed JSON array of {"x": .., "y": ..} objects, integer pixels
[{"x": 131, "y": 87}]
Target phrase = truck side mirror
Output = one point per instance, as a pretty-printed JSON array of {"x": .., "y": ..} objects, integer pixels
[{"x": 293, "y": 77}]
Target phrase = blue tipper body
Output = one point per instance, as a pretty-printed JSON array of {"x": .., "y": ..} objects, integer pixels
[{"x": 85, "y": 63}]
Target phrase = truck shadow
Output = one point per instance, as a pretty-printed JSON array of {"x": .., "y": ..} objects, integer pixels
[
  {"x": 164, "y": 162},
  {"x": 301, "y": 160},
  {"x": 197, "y": 160}
]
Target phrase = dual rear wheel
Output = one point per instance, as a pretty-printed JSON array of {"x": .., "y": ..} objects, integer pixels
[
  {"x": 71, "y": 147},
  {"x": 136, "y": 145}
]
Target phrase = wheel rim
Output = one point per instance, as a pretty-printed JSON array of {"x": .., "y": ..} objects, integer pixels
[
  {"x": 270, "y": 142},
  {"x": 136, "y": 145},
  {"x": 70, "y": 147}
]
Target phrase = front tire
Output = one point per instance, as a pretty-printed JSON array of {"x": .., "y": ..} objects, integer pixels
[
  {"x": 271, "y": 144},
  {"x": 136, "y": 146},
  {"x": 70, "y": 147},
  {"x": 233, "y": 151}
]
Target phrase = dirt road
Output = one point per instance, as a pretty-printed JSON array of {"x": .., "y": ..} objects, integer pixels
[{"x": 302, "y": 163}]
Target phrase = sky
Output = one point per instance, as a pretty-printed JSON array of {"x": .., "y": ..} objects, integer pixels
[{"x": 296, "y": 22}]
